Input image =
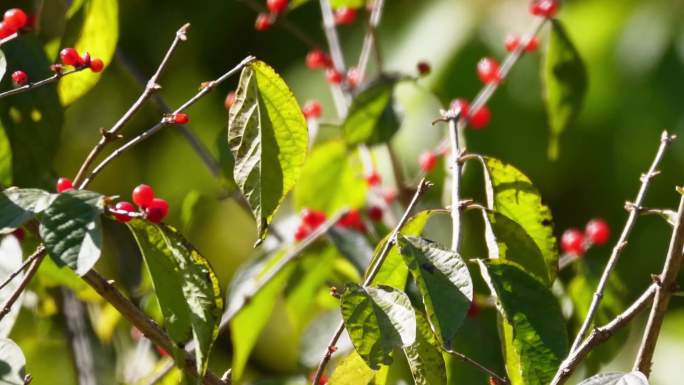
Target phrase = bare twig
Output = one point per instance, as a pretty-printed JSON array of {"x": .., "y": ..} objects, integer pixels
[
  {"x": 21, "y": 268},
  {"x": 373, "y": 271},
  {"x": 9, "y": 38},
  {"x": 206, "y": 88},
  {"x": 151, "y": 87},
  {"x": 665, "y": 286},
  {"x": 37, "y": 258},
  {"x": 33, "y": 85},
  {"x": 341, "y": 100},
  {"x": 665, "y": 141},
  {"x": 370, "y": 43},
  {"x": 600, "y": 335},
  {"x": 453, "y": 119},
  {"x": 477, "y": 365}
]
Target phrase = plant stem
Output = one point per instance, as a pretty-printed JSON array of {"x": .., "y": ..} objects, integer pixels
[
  {"x": 21, "y": 268},
  {"x": 373, "y": 271},
  {"x": 33, "y": 85},
  {"x": 666, "y": 284},
  {"x": 477, "y": 366},
  {"x": 455, "y": 182},
  {"x": 37, "y": 258},
  {"x": 341, "y": 100},
  {"x": 9, "y": 38},
  {"x": 369, "y": 40},
  {"x": 635, "y": 208}
]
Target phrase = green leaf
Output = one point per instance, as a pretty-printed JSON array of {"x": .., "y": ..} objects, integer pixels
[
  {"x": 371, "y": 118},
  {"x": 424, "y": 357},
  {"x": 352, "y": 370},
  {"x": 267, "y": 135},
  {"x": 512, "y": 194},
  {"x": 507, "y": 240},
  {"x": 331, "y": 180},
  {"x": 378, "y": 320},
  {"x": 32, "y": 120},
  {"x": 98, "y": 35},
  {"x": 185, "y": 284},
  {"x": 12, "y": 362},
  {"x": 249, "y": 312},
  {"x": 565, "y": 83},
  {"x": 444, "y": 283},
  {"x": 18, "y": 206},
  {"x": 533, "y": 331},
  {"x": 633, "y": 378},
  {"x": 347, "y": 3},
  {"x": 353, "y": 245},
  {"x": 5, "y": 159},
  {"x": 10, "y": 262},
  {"x": 71, "y": 230}
]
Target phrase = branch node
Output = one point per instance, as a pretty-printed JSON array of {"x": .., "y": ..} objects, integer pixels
[
  {"x": 109, "y": 136},
  {"x": 655, "y": 278},
  {"x": 631, "y": 206},
  {"x": 182, "y": 32}
]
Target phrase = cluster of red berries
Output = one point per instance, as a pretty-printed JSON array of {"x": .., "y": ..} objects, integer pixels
[
  {"x": 316, "y": 59},
  {"x": 576, "y": 242},
  {"x": 265, "y": 20},
  {"x": 310, "y": 220},
  {"x": 477, "y": 119},
  {"x": 71, "y": 57},
  {"x": 312, "y": 109},
  {"x": 179, "y": 118},
  {"x": 13, "y": 20},
  {"x": 153, "y": 209}
]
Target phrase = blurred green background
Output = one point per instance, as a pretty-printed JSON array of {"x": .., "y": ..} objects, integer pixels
[{"x": 634, "y": 51}]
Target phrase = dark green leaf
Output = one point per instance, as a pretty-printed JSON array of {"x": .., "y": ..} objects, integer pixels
[
  {"x": 10, "y": 262},
  {"x": 185, "y": 284},
  {"x": 71, "y": 230},
  {"x": 424, "y": 357},
  {"x": 378, "y": 320},
  {"x": 352, "y": 370},
  {"x": 268, "y": 136},
  {"x": 352, "y": 245},
  {"x": 371, "y": 117},
  {"x": 331, "y": 180},
  {"x": 12, "y": 362},
  {"x": 634, "y": 378},
  {"x": 512, "y": 194},
  {"x": 444, "y": 283},
  {"x": 565, "y": 83},
  {"x": 534, "y": 335},
  {"x": 18, "y": 206}
]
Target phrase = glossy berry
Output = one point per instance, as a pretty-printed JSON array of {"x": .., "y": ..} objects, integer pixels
[
  {"x": 423, "y": 68},
  {"x": 157, "y": 210},
  {"x": 597, "y": 231},
  {"x": 512, "y": 42},
  {"x": 427, "y": 161},
  {"x": 312, "y": 218},
  {"x": 488, "y": 70},
  {"x": 6, "y": 31},
  {"x": 19, "y": 233},
  {"x": 480, "y": 118},
  {"x": 263, "y": 22},
  {"x": 276, "y": 6},
  {"x": 70, "y": 57},
  {"x": 352, "y": 220},
  {"x": 572, "y": 242},
  {"x": 181, "y": 118},
  {"x": 544, "y": 8},
  {"x": 142, "y": 195},
  {"x": 302, "y": 232},
  {"x": 333, "y": 76},
  {"x": 317, "y": 59},
  {"x": 375, "y": 213},
  {"x": 19, "y": 78},
  {"x": 312, "y": 109},
  {"x": 353, "y": 77},
  {"x": 122, "y": 209},
  {"x": 373, "y": 178},
  {"x": 15, "y": 18},
  {"x": 230, "y": 100},
  {"x": 345, "y": 15},
  {"x": 389, "y": 196},
  {"x": 96, "y": 65},
  {"x": 462, "y": 105},
  {"x": 64, "y": 184},
  {"x": 474, "y": 310}
]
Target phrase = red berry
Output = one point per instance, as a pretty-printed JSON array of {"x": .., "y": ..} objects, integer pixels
[
  {"x": 70, "y": 57},
  {"x": 6, "y": 31},
  {"x": 488, "y": 70},
  {"x": 494, "y": 381},
  {"x": 373, "y": 179},
  {"x": 389, "y": 196},
  {"x": 317, "y": 59},
  {"x": 143, "y": 195},
  {"x": 462, "y": 105},
  {"x": 162, "y": 352},
  {"x": 544, "y": 8},
  {"x": 352, "y": 220},
  {"x": 597, "y": 231},
  {"x": 302, "y": 232},
  {"x": 333, "y": 76},
  {"x": 474, "y": 310},
  {"x": 312, "y": 109},
  {"x": 157, "y": 210},
  {"x": 532, "y": 44},
  {"x": 512, "y": 42},
  {"x": 96, "y": 65},
  {"x": 181, "y": 118},
  {"x": 572, "y": 242},
  {"x": 123, "y": 209},
  {"x": 15, "y": 18},
  {"x": 480, "y": 118},
  {"x": 375, "y": 213},
  {"x": 19, "y": 233},
  {"x": 345, "y": 15},
  {"x": 263, "y": 22},
  {"x": 64, "y": 184},
  {"x": 427, "y": 161},
  {"x": 86, "y": 59},
  {"x": 423, "y": 68},
  {"x": 312, "y": 218},
  {"x": 353, "y": 77},
  {"x": 276, "y": 6},
  {"x": 230, "y": 100},
  {"x": 20, "y": 78}
]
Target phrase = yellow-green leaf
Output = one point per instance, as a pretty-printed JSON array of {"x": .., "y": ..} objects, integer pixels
[{"x": 371, "y": 118}]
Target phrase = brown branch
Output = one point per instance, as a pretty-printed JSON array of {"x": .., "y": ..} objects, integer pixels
[
  {"x": 40, "y": 83},
  {"x": 477, "y": 366},
  {"x": 373, "y": 271},
  {"x": 37, "y": 258},
  {"x": 665, "y": 286},
  {"x": 665, "y": 140}
]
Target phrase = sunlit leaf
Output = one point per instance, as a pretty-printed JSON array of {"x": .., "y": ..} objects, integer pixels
[
  {"x": 268, "y": 136},
  {"x": 633, "y": 378},
  {"x": 185, "y": 284},
  {"x": 19, "y": 205},
  {"x": 352, "y": 370},
  {"x": 13, "y": 363},
  {"x": 10, "y": 261},
  {"x": 378, "y": 320},
  {"x": 371, "y": 118},
  {"x": 565, "y": 83},
  {"x": 424, "y": 357}
]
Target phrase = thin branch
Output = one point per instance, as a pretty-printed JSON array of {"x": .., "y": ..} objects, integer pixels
[
  {"x": 453, "y": 119},
  {"x": 600, "y": 335},
  {"x": 477, "y": 366},
  {"x": 339, "y": 96},
  {"x": 40, "y": 83},
  {"x": 665, "y": 141},
  {"x": 370, "y": 43},
  {"x": 151, "y": 87},
  {"x": 21, "y": 268},
  {"x": 206, "y": 88},
  {"x": 665, "y": 286},
  {"x": 37, "y": 257},
  {"x": 372, "y": 272},
  {"x": 9, "y": 38}
]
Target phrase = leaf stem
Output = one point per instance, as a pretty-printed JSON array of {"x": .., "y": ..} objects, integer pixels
[
  {"x": 40, "y": 83},
  {"x": 477, "y": 365}
]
